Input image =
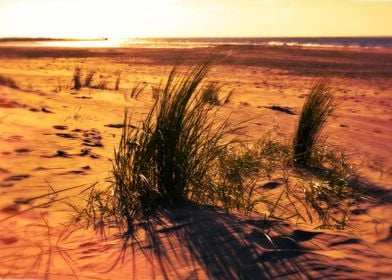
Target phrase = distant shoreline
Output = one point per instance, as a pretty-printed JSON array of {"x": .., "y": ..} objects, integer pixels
[
  {"x": 38, "y": 39},
  {"x": 194, "y": 42}
]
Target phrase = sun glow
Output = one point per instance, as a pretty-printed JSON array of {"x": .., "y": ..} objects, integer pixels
[
  {"x": 91, "y": 18},
  {"x": 193, "y": 18}
]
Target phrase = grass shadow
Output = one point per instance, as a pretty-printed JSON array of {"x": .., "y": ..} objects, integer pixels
[{"x": 195, "y": 242}]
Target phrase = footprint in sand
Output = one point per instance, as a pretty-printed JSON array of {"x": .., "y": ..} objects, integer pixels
[
  {"x": 87, "y": 152},
  {"x": 67, "y": 135},
  {"x": 43, "y": 109},
  {"x": 271, "y": 185},
  {"x": 14, "y": 138},
  {"x": 34, "y": 110},
  {"x": 59, "y": 153},
  {"x": 83, "y": 171},
  {"x": 13, "y": 208},
  {"x": 60, "y": 127},
  {"x": 22, "y": 151},
  {"x": 8, "y": 240},
  {"x": 6, "y": 185},
  {"x": 281, "y": 109},
  {"x": 17, "y": 177},
  {"x": 75, "y": 172},
  {"x": 118, "y": 125},
  {"x": 92, "y": 138},
  {"x": 22, "y": 200},
  {"x": 83, "y": 97},
  {"x": 3, "y": 171}
]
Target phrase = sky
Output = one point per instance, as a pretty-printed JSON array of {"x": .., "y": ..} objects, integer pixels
[{"x": 194, "y": 18}]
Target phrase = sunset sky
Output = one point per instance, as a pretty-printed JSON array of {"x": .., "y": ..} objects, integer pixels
[{"x": 194, "y": 18}]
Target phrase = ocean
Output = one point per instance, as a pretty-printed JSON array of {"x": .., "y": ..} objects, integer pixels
[
  {"x": 365, "y": 42},
  {"x": 354, "y": 42}
]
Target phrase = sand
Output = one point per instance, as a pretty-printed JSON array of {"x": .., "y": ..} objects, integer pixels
[{"x": 53, "y": 137}]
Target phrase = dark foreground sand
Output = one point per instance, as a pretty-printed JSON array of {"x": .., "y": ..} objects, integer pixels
[{"x": 54, "y": 137}]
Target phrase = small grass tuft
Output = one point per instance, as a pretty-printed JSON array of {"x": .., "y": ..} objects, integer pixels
[
  {"x": 77, "y": 79},
  {"x": 210, "y": 93},
  {"x": 236, "y": 178},
  {"x": 169, "y": 159},
  {"x": 89, "y": 78},
  {"x": 137, "y": 90},
  {"x": 101, "y": 85},
  {"x": 317, "y": 108}
]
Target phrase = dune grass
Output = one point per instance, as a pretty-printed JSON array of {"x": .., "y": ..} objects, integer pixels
[
  {"x": 318, "y": 106},
  {"x": 118, "y": 79},
  {"x": 210, "y": 93},
  {"x": 89, "y": 78},
  {"x": 137, "y": 90},
  {"x": 180, "y": 153},
  {"x": 77, "y": 79},
  {"x": 166, "y": 161}
]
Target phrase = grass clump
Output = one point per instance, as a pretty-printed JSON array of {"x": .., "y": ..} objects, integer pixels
[
  {"x": 169, "y": 159},
  {"x": 180, "y": 153},
  {"x": 317, "y": 108},
  {"x": 210, "y": 93},
  {"x": 77, "y": 79},
  {"x": 89, "y": 78},
  {"x": 137, "y": 89},
  {"x": 8, "y": 82},
  {"x": 237, "y": 175},
  {"x": 101, "y": 85}
]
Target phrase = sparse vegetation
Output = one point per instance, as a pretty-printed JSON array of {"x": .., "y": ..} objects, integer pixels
[
  {"x": 180, "y": 153},
  {"x": 210, "y": 93},
  {"x": 137, "y": 90},
  {"x": 89, "y": 78},
  {"x": 317, "y": 108},
  {"x": 169, "y": 159},
  {"x": 228, "y": 97},
  {"x": 118, "y": 78},
  {"x": 77, "y": 79},
  {"x": 156, "y": 91},
  {"x": 101, "y": 85},
  {"x": 237, "y": 175}
]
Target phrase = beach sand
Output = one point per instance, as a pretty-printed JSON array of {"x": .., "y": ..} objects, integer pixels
[{"x": 53, "y": 137}]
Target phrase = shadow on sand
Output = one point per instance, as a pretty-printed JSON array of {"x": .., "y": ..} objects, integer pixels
[{"x": 204, "y": 242}]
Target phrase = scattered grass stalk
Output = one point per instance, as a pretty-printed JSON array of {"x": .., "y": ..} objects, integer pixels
[
  {"x": 210, "y": 93},
  {"x": 118, "y": 78},
  {"x": 317, "y": 108},
  {"x": 89, "y": 78},
  {"x": 77, "y": 79}
]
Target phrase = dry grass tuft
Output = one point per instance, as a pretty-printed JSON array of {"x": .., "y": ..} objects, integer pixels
[{"x": 317, "y": 108}]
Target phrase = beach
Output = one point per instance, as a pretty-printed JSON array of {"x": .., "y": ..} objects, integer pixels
[{"x": 54, "y": 137}]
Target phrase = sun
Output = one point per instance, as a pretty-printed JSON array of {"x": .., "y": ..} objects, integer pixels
[{"x": 91, "y": 18}]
